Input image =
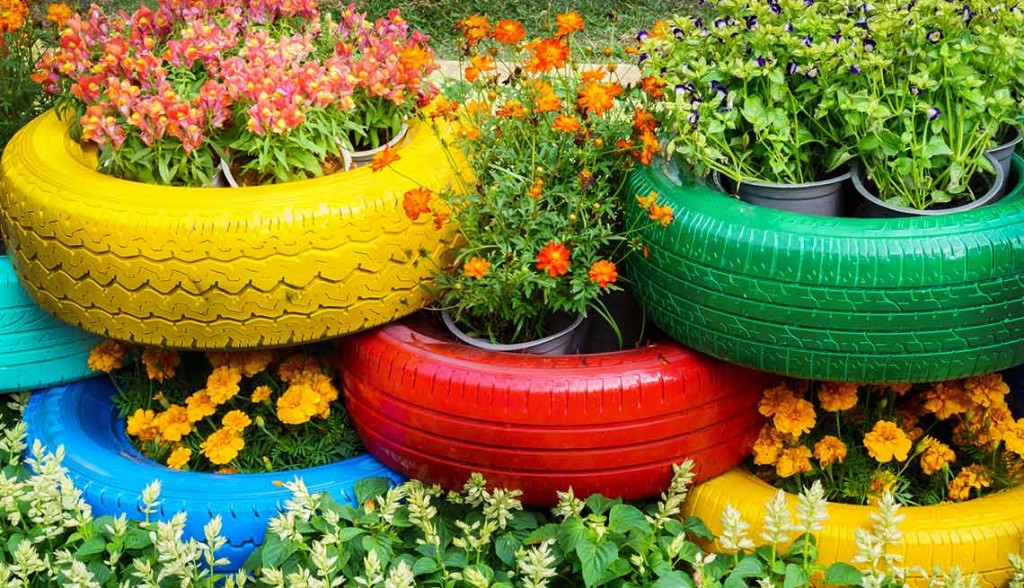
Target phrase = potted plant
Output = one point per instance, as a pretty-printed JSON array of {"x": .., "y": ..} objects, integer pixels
[
  {"x": 277, "y": 91},
  {"x": 749, "y": 96},
  {"x": 925, "y": 106},
  {"x": 540, "y": 217},
  {"x": 950, "y": 452}
]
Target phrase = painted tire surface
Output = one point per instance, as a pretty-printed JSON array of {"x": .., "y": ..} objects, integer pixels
[
  {"x": 237, "y": 268},
  {"x": 976, "y": 535},
  {"x": 112, "y": 473},
  {"x": 36, "y": 350},
  {"x": 611, "y": 422},
  {"x": 853, "y": 299}
]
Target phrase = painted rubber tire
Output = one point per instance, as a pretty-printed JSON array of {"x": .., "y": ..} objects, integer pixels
[
  {"x": 612, "y": 423},
  {"x": 853, "y": 299},
  {"x": 976, "y": 535},
  {"x": 36, "y": 350},
  {"x": 112, "y": 474},
  {"x": 237, "y": 268}
]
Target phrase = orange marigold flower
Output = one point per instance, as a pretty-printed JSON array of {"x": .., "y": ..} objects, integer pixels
[
  {"x": 508, "y": 31},
  {"x": 662, "y": 214},
  {"x": 12, "y": 16},
  {"x": 222, "y": 446},
  {"x": 653, "y": 86},
  {"x": 142, "y": 426},
  {"x": 548, "y": 101},
  {"x": 479, "y": 64},
  {"x": 792, "y": 461},
  {"x": 644, "y": 121},
  {"x": 173, "y": 423},
  {"x": 536, "y": 188},
  {"x": 554, "y": 259},
  {"x": 108, "y": 356},
  {"x": 58, "y": 13},
  {"x": 886, "y": 441},
  {"x": 199, "y": 406},
  {"x": 416, "y": 202},
  {"x": 546, "y": 55},
  {"x": 386, "y": 157},
  {"x": 603, "y": 272},
  {"x": 935, "y": 455},
  {"x": 236, "y": 420},
  {"x": 416, "y": 57},
  {"x": 222, "y": 384},
  {"x": 323, "y": 387},
  {"x": 972, "y": 477},
  {"x": 228, "y": 470},
  {"x": 251, "y": 363},
  {"x": 586, "y": 179},
  {"x": 160, "y": 363},
  {"x": 899, "y": 389},
  {"x": 646, "y": 202},
  {"x": 178, "y": 458},
  {"x": 566, "y": 124},
  {"x": 883, "y": 481},
  {"x": 293, "y": 367},
  {"x": 649, "y": 147},
  {"x": 829, "y": 450},
  {"x": 597, "y": 99},
  {"x": 568, "y": 23},
  {"x": 512, "y": 109},
  {"x": 476, "y": 267},
  {"x": 768, "y": 446},
  {"x": 261, "y": 394},
  {"x": 468, "y": 131},
  {"x": 987, "y": 390},
  {"x": 794, "y": 416},
  {"x": 588, "y": 76},
  {"x": 298, "y": 404},
  {"x": 1010, "y": 432},
  {"x": 475, "y": 28},
  {"x": 836, "y": 396},
  {"x": 440, "y": 218},
  {"x": 945, "y": 399}
]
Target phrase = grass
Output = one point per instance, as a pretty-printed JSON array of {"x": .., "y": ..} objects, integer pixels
[{"x": 612, "y": 23}]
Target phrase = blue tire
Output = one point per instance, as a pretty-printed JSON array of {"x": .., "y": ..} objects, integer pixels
[
  {"x": 36, "y": 350},
  {"x": 112, "y": 473}
]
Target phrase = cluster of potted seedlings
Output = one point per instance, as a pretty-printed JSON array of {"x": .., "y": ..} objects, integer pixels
[{"x": 219, "y": 180}]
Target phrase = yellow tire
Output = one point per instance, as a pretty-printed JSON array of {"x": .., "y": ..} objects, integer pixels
[
  {"x": 976, "y": 535},
  {"x": 202, "y": 268}
]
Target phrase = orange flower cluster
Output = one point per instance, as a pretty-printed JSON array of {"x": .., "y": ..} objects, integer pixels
[{"x": 12, "y": 15}]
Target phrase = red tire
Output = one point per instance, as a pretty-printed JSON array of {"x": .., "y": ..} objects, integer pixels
[{"x": 612, "y": 423}]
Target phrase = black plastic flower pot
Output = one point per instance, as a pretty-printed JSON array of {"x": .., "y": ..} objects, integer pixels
[
  {"x": 875, "y": 207},
  {"x": 821, "y": 198}
]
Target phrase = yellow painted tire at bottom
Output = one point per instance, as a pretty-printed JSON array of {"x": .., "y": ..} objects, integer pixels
[
  {"x": 976, "y": 535},
  {"x": 204, "y": 268}
]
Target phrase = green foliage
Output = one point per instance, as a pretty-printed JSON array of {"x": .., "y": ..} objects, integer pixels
[{"x": 21, "y": 98}]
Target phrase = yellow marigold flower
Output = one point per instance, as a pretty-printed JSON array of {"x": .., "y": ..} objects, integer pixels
[
  {"x": 883, "y": 481},
  {"x": 108, "y": 356},
  {"x": 160, "y": 363},
  {"x": 972, "y": 477},
  {"x": 325, "y": 390},
  {"x": 199, "y": 406},
  {"x": 222, "y": 385},
  {"x": 886, "y": 441},
  {"x": 298, "y": 404},
  {"x": 986, "y": 390},
  {"x": 836, "y": 396},
  {"x": 946, "y": 399},
  {"x": 294, "y": 366},
  {"x": 222, "y": 446},
  {"x": 236, "y": 420},
  {"x": 173, "y": 423},
  {"x": 772, "y": 398},
  {"x": 220, "y": 358},
  {"x": 141, "y": 425},
  {"x": 935, "y": 455},
  {"x": 792, "y": 461},
  {"x": 768, "y": 446},
  {"x": 261, "y": 393},
  {"x": 228, "y": 470},
  {"x": 899, "y": 389},
  {"x": 829, "y": 450},
  {"x": 1012, "y": 435},
  {"x": 794, "y": 417},
  {"x": 251, "y": 363},
  {"x": 179, "y": 458}
]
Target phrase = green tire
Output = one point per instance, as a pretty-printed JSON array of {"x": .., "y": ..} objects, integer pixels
[{"x": 912, "y": 299}]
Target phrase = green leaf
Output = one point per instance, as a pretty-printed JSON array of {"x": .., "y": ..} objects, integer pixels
[
  {"x": 674, "y": 579},
  {"x": 753, "y": 111},
  {"x": 424, "y": 565},
  {"x": 91, "y": 546},
  {"x": 368, "y": 488},
  {"x": 599, "y": 504},
  {"x": 795, "y": 576},
  {"x": 595, "y": 559},
  {"x": 349, "y": 533},
  {"x": 571, "y": 533},
  {"x": 696, "y": 527},
  {"x": 625, "y": 518},
  {"x": 137, "y": 539},
  {"x": 505, "y": 547},
  {"x": 277, "y": 552},
  {"x": 843, "y": 574},
  {"x": 100, "y": 571},
  {"x": 748, "y": 567},
  {"x": 541, "y": 534},
  {"x": 935, "y": 147}
]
